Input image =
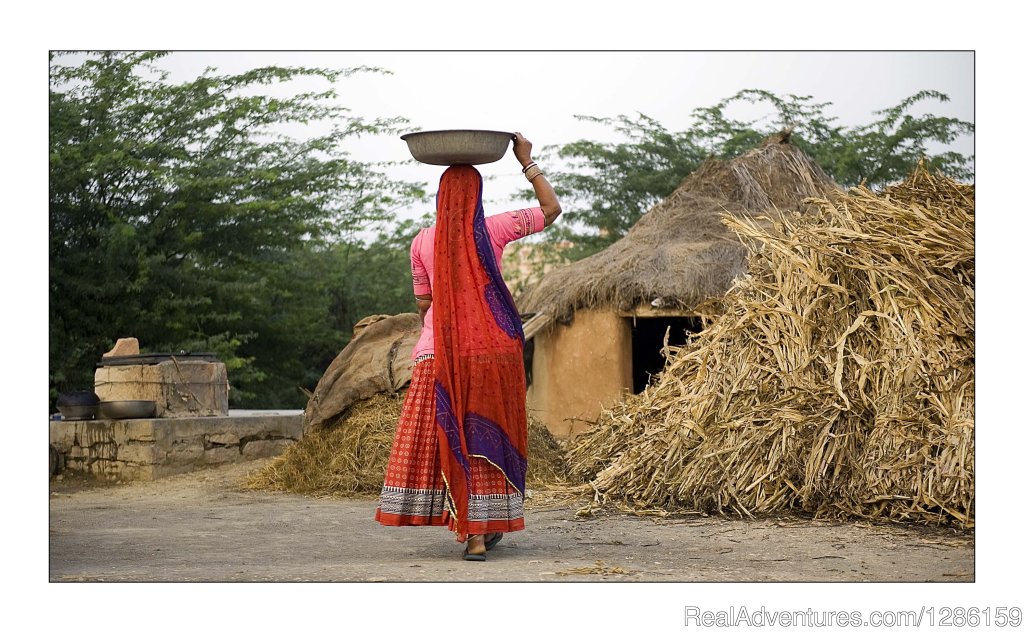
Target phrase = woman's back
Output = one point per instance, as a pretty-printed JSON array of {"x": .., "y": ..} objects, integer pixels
[{"x": 502, "y": 228}]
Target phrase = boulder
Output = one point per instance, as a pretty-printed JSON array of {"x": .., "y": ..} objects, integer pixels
[
  {"x": 124, "y": 347},
  {"x": 378, "y": 359}
]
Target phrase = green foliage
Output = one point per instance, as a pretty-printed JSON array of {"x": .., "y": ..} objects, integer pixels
[
  {"x": 322, "y": 292},
  {"x": 182, "y": 215},
  {"x": 608, "y": 186}
]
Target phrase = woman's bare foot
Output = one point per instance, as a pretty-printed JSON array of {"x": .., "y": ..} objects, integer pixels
[
  {"x": 476, "y": 544},
  {"x": 476, "y": 549}
]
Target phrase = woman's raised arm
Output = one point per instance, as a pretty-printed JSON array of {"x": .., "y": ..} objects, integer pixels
[{"x": 522, "y": 148}]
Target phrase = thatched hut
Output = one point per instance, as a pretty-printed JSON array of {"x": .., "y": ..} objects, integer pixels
[{"x": 600, "y": 323}]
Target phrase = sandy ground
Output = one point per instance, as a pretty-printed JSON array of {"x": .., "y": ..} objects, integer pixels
[{"x": 202, "y": 527}]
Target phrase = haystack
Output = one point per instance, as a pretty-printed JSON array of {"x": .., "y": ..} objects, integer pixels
[
  {"x": 349, "y": 457},
  {"x": 837, "y": 378},
  {"x": 602, "y": 321}
]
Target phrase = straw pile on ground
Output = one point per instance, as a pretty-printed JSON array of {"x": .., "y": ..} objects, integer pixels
[
  {"x": 837, "y": 378},
  {"x": 348, "y": 458}
]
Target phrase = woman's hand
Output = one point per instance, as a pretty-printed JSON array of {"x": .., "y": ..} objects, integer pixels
[{"x": 522, "y": 148}]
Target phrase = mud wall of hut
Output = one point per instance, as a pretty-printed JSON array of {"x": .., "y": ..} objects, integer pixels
[{"x": 579, "y": 368}]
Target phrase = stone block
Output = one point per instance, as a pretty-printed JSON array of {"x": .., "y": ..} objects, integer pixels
[
  {"x": 180, "y": 429},
  {"x": 266, "y": 426},
  {"x": 91, "y": 432},
  {"x": 78, "y": 453},
  {"x": 103, "y": 450},
  {"x": 222, "y": 455},
  {"x": 116, "y": 470},
  {"x": 140, "y": 452},
  {"x": 186, "y": 453},
  {"x": 75, "y": 463},
  {"x": 127, "y": 382},
  {"x": 124, "y": 347},
  {"x": 256, "y": 449},
  {"x": 106, "y": 469},
  {"x": 141, "y": 430},
  {"x": 224, "y": 439},
  {"x": 258, "y": 427},
  {"x": 180, "y": 388},
  {"x": 62, "y": 434}
]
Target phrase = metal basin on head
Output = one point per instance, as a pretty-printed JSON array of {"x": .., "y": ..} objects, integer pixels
[{"x": 458, "y": 147}]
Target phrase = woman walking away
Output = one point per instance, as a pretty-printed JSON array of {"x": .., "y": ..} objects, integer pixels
[{"x": 459, "y": 455}]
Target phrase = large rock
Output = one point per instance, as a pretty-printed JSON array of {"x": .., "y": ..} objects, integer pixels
[
  {"x": 378, "y": 359},
  {"x": 124, "y": 347}
]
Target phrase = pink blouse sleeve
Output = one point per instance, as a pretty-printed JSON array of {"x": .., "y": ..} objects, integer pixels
[
  {"x": 420, "y": 280},
  {"x": 512, "y": 225}
]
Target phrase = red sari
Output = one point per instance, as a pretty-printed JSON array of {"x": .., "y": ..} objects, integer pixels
[{"x": 476, "y": 442}]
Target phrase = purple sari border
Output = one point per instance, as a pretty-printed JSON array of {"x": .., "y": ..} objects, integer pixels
[
  {"x": 499, "y": 299},
  {"x": 485, "y": 438},
  {"x": 446, "y": 419}
]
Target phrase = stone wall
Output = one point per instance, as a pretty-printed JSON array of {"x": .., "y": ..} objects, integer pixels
[{"x": 156, "y": 447}]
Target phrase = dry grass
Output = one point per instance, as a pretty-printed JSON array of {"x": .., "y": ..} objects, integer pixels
[
  {"x": 837, "y": 378},
  {"x": 346, "y": 459},
  {"x": 349, "y": 458}
]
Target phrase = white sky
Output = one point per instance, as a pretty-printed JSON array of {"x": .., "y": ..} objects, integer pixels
[{"x": 539, "y": 93}]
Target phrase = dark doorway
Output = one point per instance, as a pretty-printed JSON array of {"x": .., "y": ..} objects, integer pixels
[{"x": 648, "y": 341}]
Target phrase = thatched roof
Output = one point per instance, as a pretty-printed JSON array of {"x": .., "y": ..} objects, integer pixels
[{"x": 679, "y": 253}]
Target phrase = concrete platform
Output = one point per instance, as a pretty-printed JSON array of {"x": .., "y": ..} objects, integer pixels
[{"x": 146, "y": 449}]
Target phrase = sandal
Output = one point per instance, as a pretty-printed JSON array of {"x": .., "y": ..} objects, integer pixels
[
  {"x": 491, "y": 542},
  {"x": 477, "y": 557}
]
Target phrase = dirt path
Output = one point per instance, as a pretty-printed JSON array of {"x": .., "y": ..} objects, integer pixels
[{"x": 201, "y": 527}]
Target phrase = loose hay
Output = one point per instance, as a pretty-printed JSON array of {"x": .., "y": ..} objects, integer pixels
[
  {"x": 349, "y": 458},
  {"x": 836, "y": 378},
  {"x": 346, "y": 459}
]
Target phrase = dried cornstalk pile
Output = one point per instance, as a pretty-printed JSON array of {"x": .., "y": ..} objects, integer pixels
[
  {"x": 349, "y": 458},
  {"x": 837, "y": 379}
]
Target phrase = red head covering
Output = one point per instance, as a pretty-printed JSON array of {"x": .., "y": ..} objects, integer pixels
[{"x": 480, "y": 384}]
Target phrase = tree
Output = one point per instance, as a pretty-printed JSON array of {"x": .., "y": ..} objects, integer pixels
[
  {"x": 181, "y": 214},
  {"x": 609, "y": 186},
  {"x": 323, "y": 291}
]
